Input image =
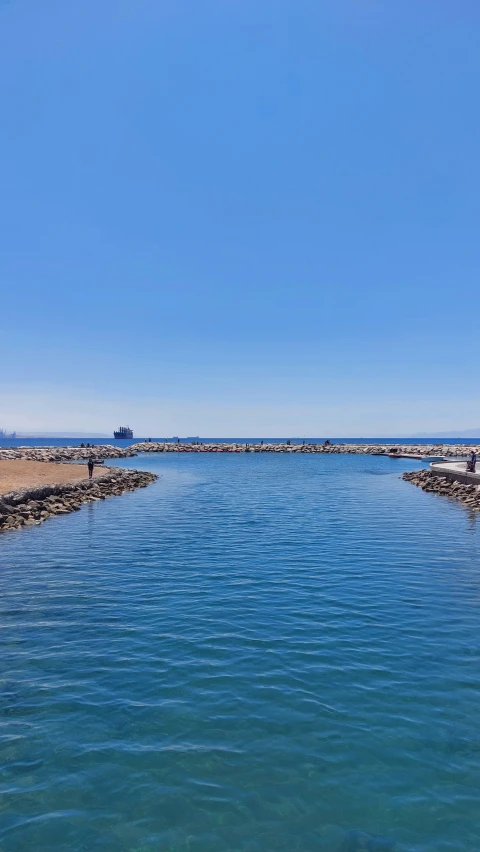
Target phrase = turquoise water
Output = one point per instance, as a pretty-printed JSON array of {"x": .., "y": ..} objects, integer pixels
[{"x": 258, "y": 652}]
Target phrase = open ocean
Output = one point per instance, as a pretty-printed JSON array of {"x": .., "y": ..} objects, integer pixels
[
  {"x": 75, "y": 442},
  {"x": 257, "y": 653}
]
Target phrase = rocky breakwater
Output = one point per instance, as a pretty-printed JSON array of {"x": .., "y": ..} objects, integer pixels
[
  {"x": 447, "y": 450},
  {"x": 469, "y": 495},
  {"x": 62, "y": 454},
  {"x": 33, "y": 505}
]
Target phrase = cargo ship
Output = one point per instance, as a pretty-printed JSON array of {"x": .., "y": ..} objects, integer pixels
[{"x": 123, "y": 432}]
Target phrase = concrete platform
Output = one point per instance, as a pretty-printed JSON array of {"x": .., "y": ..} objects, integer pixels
[{"x": 456, "y": 471}]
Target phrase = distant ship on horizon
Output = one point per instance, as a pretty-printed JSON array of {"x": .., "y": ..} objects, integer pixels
[
  {"x": 4, "y": 434},
  {"x": 123, "y": 432}
]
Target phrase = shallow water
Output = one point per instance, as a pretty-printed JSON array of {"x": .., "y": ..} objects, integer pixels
[{"x": 258, "y": 652}]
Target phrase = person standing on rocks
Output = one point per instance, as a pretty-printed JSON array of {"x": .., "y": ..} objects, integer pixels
[{"x": 90, "y": 467}]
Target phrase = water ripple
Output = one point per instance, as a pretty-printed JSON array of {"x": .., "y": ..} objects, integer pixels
[{"x": 255, "y": 653}]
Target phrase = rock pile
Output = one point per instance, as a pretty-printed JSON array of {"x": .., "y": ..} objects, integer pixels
[
  {"x": 34, "y": 505},
  {"x": 428, "y": 481},
  {"x": 62, "y": 454},
  {"x": 107, "y": 451},
  {"x": 449, "y": 450}
]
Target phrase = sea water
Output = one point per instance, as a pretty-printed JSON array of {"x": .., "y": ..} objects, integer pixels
[
  {"x": 110, "y": 440},
  {"x": 256, "y": 653}
]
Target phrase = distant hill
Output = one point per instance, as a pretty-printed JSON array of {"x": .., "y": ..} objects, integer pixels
[{"x": 465, "y": 433}]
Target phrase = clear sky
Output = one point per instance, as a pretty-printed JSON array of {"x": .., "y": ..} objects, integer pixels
[{"x": 239, "y": 217}]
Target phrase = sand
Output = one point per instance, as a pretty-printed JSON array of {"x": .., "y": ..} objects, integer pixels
[{"x": 18, "y": 474}]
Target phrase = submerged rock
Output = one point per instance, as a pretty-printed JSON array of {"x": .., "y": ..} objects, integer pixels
[{"x": 359, "y": 841}]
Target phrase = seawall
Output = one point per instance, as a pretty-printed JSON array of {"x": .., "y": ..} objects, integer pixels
[
  {"x": 469, "y": 495},
  {"x": 108, "y": 451},
  {"x": 61, "y": 454},
  {"x": 422, "y": 450}
]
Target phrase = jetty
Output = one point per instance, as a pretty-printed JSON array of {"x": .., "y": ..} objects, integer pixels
[
  {"x": 66, "y": 454},
  {"x": 449, "y": 480},
  {"x": 455, "y": 471},
  {"x": 415, "y": 452},
  {"x": 31, "y": 491}
]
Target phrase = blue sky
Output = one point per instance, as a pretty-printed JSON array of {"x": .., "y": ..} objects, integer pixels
[{"x": 239, "y": 217}]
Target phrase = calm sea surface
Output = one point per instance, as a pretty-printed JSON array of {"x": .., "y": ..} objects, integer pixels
[
  {"x": 75, "y": 442},
  {"x": 257, "y": 653}
]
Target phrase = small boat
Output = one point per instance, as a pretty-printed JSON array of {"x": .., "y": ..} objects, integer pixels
[{"x": 399, "y": 455}]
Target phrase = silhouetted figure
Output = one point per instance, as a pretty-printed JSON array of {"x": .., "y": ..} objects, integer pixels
[
  {"x": 471, "y": 465},
  {"x": 90, "y": 467}
]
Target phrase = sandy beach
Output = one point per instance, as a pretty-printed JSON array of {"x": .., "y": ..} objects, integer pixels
[{"x": 19, "y": 474}]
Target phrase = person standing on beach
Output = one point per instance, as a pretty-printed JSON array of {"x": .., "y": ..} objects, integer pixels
[{"x": 90, "y": 467}]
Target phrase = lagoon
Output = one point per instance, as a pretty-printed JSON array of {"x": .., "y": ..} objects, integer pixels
[{"x": 256, "y": 652}]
